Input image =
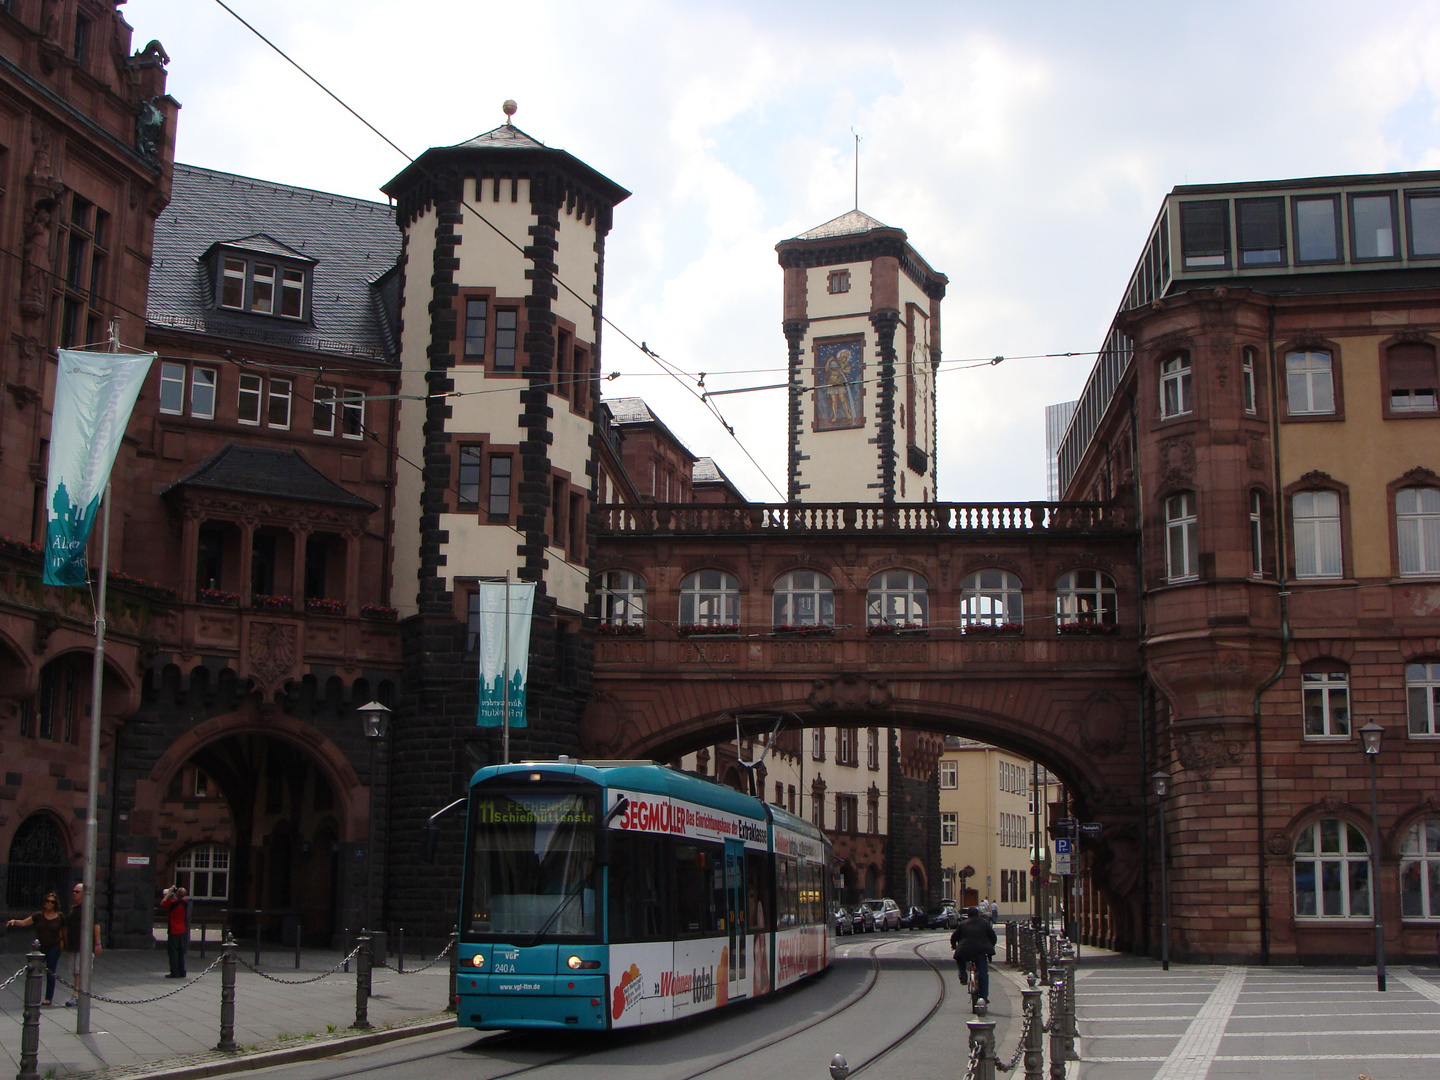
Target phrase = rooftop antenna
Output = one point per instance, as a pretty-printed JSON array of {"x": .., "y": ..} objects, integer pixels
[
  {"x": 857, "y": 167},
  {"x": 509, "y": 108}
]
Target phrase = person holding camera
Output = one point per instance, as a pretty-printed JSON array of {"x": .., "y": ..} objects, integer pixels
[{"x": 176, "y": 905}]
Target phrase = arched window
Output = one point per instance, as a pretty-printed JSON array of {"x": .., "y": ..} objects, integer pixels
[
  {"x": 38, "y": 864},
  {"x": 1085, "y": 598},
  {"x": 622, "y": 598},
  {"x": 1420, "y": 871},
  {"x": 1332, "y": 871},
  {"x": 204, "y": 871},
  {"x": 991, "y": 598},
  {"x": 897, "y": 598},
  {"x": 1316, "y": 516},
  {"x": 1182, "y": 559},
  {"x": 1422, "y": 692},
  {"x": 1417, "y": 528},
  {"x": 804, "y": 598},
  {"x": 710, "y": 598}
]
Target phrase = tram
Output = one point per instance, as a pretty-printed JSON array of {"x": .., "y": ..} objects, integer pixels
[{"x": 609, "y": 894}]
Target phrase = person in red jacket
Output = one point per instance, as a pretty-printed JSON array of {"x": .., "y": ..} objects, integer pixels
[{"x": 177, "y": 911}]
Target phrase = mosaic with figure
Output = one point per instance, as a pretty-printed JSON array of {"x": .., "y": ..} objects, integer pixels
[{"x": 839, "y": 369}]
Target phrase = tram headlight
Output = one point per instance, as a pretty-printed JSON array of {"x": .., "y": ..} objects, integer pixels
[
  {"x": 478, "y": 960},
  {"x": 576, "y": 964}
]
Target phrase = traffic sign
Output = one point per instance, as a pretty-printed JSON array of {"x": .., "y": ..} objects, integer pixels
[
  {"x": 1065, "y": 824},
  {"x": 1091, "y": 828},
  {"x": 1064, "y": 863},
  {"x": 1063, "y": 846}
]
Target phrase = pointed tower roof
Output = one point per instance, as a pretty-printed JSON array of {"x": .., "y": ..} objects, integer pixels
[
  {"x": 855, "y": 236},
  {"x": 850, "y": 223},
  {"x": 506, "y": 136}
]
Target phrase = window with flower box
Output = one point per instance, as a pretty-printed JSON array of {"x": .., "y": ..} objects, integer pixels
[
  {"x": 897, "y": 599},
  {"x": 710, "y": 600},
  {"x": 991, "y": 600}
]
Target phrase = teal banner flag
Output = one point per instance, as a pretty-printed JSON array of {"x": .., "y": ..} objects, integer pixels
[
  {"x": 505, "y": 609},
  {"x": 94, "y": 395}
]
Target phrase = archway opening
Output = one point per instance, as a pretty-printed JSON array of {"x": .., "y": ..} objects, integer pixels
[{"x": 39, "y": 863}]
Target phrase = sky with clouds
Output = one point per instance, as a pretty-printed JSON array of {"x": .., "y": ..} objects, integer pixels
[{"x": 1023, "y": 146}]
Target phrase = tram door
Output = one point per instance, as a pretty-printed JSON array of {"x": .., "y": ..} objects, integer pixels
[{"x": 738, "y": 917}]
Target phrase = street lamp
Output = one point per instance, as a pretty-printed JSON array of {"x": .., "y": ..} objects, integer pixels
[
  {"x": 374, "y": 722},
  {"x": 1370, "y": 736},
  {"x": 1161, "y": 782}
]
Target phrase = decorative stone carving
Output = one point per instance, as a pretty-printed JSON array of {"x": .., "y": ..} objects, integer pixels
[
  {"x": 1204, "y": 751},
  {"x": 273, "y": 646},
  {"x": 1255, "y": 450},
  {"x": 1421, "y": 476},
  {"x": 1177, "y": 460},
  {"x": 1102, "y": 724},
  {"x": 849, "y": 693},
  {"x": 1277, "y": 843},
  {"x": 1331, "y": 803}
]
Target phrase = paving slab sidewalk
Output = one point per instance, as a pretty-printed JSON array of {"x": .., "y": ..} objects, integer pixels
[{"x": 183, "y": 1028}]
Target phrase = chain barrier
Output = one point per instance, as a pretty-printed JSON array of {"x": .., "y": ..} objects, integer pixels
[
  {"x": 1020, "y": 1047},
  {"x": 12, "y": 978},
  {"x": 297, "y": 982},
  {"x": 425, "y": 967},
  {"x": 977, "y": 1055},
  {"x": 136, "y": 1001}
]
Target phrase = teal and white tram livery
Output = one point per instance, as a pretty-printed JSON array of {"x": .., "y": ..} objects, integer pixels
[{"x": 610, "y": 894}]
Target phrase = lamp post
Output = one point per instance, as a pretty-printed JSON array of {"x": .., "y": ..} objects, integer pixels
[
  {"x": 1370, "y": 736},
  {"x": 1161, "y": 782},
  {"x": 375, "y": 722}
]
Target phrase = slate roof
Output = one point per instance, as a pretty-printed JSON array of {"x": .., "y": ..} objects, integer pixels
[
  {"x": 630, "y": 410},
  {"x": 354, "y": 243},
  {"x": 850, "y": 223},
  {"x": 262, "y": 245},
  {"x": 705, "y": 471},
  {"x": 503, "y": 137},
  {"x": 259, "y": 470}
]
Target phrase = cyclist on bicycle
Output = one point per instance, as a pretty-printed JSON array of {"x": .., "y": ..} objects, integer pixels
[{"x": 974, "y": 942}]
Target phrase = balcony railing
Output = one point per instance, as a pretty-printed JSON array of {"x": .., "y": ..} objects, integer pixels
[{"x": 955, "y": 519}]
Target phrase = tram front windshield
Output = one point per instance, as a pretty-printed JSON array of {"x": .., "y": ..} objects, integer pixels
[{"x": 532, "y": 865}]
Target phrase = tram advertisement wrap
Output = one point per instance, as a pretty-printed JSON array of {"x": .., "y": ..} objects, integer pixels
[
  {"x": 660, "y": 981},
  {"x": 645, "y": 812},
  {"x": 798, "y": 953}
]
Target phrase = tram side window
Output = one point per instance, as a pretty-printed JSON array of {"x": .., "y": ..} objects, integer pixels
[
  {"x": 810, "y": 894},
  {"x": 699, "y": 889},
  {"x": 757, "y": 884},
  {"x": 638, "y": 888},
  {"x": 787, "y": 893}
]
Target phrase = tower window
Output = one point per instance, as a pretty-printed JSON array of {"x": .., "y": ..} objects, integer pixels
[{"x": 839, "y": 281}]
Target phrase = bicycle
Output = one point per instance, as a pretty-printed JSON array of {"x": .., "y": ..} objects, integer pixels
[{"x": 978, "y": 1005}]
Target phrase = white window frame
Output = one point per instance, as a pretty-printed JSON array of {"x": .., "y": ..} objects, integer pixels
[
  {"x": 1315, "y": 516},
  {"x": 872, "y": 748},
  {"x": 897, "y": 598},
  {"x": 1182, "y": 559},
  {"x": 1247, "y": 380},
  {"x": 1417, "y": 531},
  {"x": 1325, "y": 704},
  {"x": 232, "y": 270},
  {"x": 213, "y": 389},
  {"x": 278, "y": 403},
  {"x": 292, "y": 284},
  {"x": 817, "y": 744},
  {"x": 1422, "y": 699},
  {"x": 249, "y": 388},
  {"x": 206, "y": 859},
  {"x": 1305, "y": 374},
  {"x": 1257, "y": 535},
  {"x": 323, "y": 401},
  {"x": 1420, "y": 862},
  {"x": 710, "y": 597},
  {"x": 1176, "y": 387},
  {"x": 949, "y": 827},
  {"x": 1341, "y": 860},
  {"x": 846, "y": 750},
  {"x": 172, "y": 381},
  {"x": 622, "y": 598},
  {"x": 949, "y": 775},
  {"x": 1086, "y": 596},
  {"x": 262, "y": 275},
  {"x": 992, "y": 597},
  {"x": 798, "y": 603},
  {"x": 352, "y": 414}
]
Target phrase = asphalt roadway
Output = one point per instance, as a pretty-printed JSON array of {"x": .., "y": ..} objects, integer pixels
[{"x": 891, "y": 1004}]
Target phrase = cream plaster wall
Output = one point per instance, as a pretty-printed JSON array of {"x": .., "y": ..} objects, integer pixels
[
  {"x": 841, "y": 463},
  {"x": 570, "y": 449},
  {"x": 1365, "y": 451},
  {"x": 820, "y": 303},
  {"x": 978, "y": 803},
  {"x": 486, "y": 259},
  {"x": 414, "y": 338},
  {"x": 575, "y": 258},
  {"x": 492, "y": 407},
  {"x": 478, "y": 549}
]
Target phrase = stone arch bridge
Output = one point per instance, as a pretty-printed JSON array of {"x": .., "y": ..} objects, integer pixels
[{"x": 1063, "y": 691}]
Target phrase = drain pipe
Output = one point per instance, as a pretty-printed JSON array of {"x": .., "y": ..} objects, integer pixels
[{"x": 1284, "y": 595}]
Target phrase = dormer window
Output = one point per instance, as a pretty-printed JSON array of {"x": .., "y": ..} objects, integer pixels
[{"x": 261, "y": 276}]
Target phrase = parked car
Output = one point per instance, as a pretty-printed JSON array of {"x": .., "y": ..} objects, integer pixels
[
  {"x": 843, "y": 920},
  {"x": 914, "y": 919},
  {"x": 863, "y": 920},
  {"x": 886, "y": 913},
  {"x": 944, "y": 916}
]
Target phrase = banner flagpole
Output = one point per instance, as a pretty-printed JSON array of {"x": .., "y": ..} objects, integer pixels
[
  {"x": 505, "y": 730},
  {"x": 85, "y": 946}
]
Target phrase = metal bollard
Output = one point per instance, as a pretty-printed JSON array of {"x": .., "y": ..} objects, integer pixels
[
  {"x": 30, "y": 1031},
  {"x": 400, "y": 951},
  {"x": 362, "y": 983},
  {"x": 346, "y": 949},
  {"x": 228, "y": 950},
  {"x": 1034, "y": 1033},
  {"x": 298, "y": 932},
  {"x": 1072, "y": 1032},
  {"x": 453, "y": 999},
  {"x": 1042, "y": 959},
  {"x": 1057, "y": 1029},
  {"x": 202, "y": 937},
  {"x": 983, "y": 1033}
]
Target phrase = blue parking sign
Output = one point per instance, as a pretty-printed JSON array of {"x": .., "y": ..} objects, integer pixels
[{"x": 1062, "y": 845}]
